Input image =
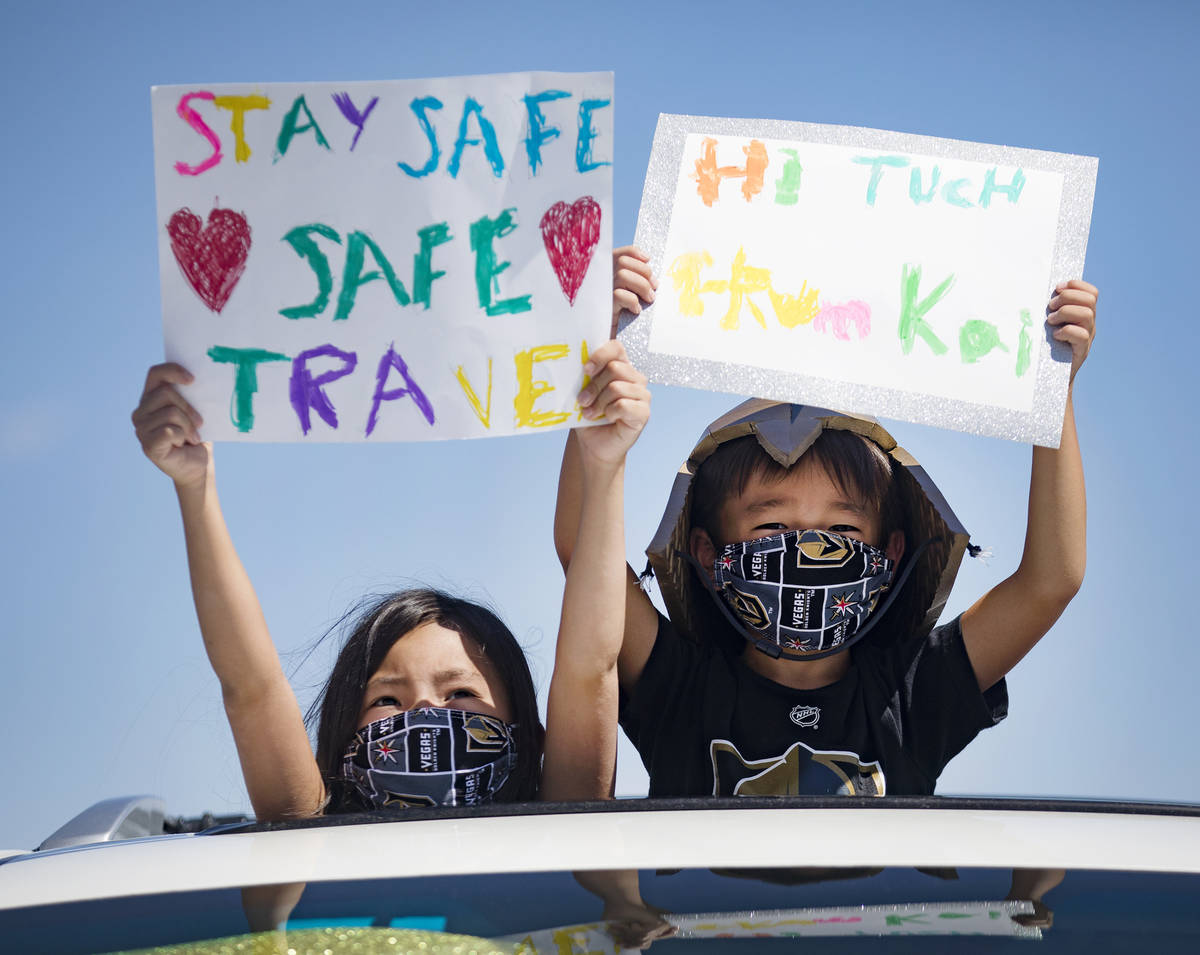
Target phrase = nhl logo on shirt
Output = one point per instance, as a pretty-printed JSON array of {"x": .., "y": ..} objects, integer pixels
[{"x": 805, "y": 716}]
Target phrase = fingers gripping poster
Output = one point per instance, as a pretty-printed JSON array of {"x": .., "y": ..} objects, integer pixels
[
  {"x": 863, "y": 270},
  {"x": 401, "y": 260}
]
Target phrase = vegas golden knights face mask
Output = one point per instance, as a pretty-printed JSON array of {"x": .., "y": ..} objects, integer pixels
[
  {"x": 802, "y": 594},
  {"x": 430, "y": 757},
  {"x": 785, "y": 432}
]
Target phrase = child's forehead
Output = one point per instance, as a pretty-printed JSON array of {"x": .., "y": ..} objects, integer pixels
[
  {"x": 431, "y": 647},
  {"x": 400, "y": 675},
  {"x": 809, "y": 480}
]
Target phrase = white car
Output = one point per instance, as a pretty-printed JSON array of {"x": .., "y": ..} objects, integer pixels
[{"x": 721, "y": 875}]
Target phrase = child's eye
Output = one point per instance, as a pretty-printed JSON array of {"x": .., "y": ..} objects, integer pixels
[
  {"x": 772, "y": 526},
  {"x": 845, "y": 529}
]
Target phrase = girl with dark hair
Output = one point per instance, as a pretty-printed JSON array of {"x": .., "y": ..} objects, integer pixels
[
  {"x": 373, "y": 679},
  {"x": 430, "y": 701}
]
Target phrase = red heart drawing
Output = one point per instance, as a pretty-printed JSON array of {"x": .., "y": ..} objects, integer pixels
[
  {"x": 570, "y": 233},
  {"x": 213, "y": 257}
]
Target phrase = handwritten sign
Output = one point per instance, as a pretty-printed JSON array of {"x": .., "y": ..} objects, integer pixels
[
  {"x": 865, "y": 270},
  {"x": 914, "y": 918},
  {"x": 398, "y": 260},
  {"x": 911, "y": 918}
]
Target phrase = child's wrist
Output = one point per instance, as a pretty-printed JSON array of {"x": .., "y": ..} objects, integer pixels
[
  {"x": 601, "y": 469},
  {"x": 193, "y": 489}
]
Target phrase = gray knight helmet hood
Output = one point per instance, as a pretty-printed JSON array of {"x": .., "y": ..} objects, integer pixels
[{"x": 786, "y": 432}]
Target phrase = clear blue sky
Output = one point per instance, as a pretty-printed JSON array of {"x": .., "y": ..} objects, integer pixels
[{"x": 104, "y": 688}]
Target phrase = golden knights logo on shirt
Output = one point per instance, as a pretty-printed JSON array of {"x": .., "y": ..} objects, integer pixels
[{"x": 801, "y": 770}]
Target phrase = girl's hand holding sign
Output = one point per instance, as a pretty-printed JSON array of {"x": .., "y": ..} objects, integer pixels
[{"x": 166, "y": 425}]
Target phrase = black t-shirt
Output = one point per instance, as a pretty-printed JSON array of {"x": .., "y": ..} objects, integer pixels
[{"x": 706, "y": 724}]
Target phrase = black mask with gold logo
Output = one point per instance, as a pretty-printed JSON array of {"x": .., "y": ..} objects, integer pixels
[
  {"x": 802, "y": 594},
  {"x": 430, "y": 757}
]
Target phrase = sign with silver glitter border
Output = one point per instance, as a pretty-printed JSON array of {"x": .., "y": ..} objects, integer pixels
[{"x": 870, "y": 271}]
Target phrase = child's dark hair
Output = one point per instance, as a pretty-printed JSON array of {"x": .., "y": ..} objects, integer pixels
[
  {"x": 380, "y": 623},
  {"x": 855, "y": 464},
  {"x": 859, "y": 467}
]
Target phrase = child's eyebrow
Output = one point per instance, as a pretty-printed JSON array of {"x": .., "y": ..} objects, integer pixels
[
  {"x": 854, "y": 507},
  {"x": 767, "y": 504},
  {"x": 441, "y": 676},
  {"x": 457, "y": 676}
]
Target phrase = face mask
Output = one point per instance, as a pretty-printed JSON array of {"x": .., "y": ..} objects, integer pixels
[
  {"x": 802, "y": 594},
  {"x": 431, "y": 757}
]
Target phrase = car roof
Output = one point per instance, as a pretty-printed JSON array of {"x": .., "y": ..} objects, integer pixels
[{"x": 637, "y": 834}]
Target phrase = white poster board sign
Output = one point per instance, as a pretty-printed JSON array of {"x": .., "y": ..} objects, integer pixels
[
  {"x": 863, "y": 270},
  {"x": 912, "y": 918},
  {"x": 915, "y": 918},
  {"x": 399, "y": 260}
]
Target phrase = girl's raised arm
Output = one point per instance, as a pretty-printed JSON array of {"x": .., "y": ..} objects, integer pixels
[
  {"x": 581, "y": 718},
  {"x": 276, "y": 756}
]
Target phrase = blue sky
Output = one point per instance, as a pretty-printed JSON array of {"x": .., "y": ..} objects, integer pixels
[{"x": 105, "y": 688}]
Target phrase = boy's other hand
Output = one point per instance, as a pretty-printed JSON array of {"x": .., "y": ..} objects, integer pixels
[
  {"x": 632, "y": 283},
  {"x": 617, "y": 393},
  {"x": 1073, "y": 311},
  {"x": 166, "y": 425}
]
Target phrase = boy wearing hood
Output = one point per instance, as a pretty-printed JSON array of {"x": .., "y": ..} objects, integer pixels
[{"x": 804, "y": 559}]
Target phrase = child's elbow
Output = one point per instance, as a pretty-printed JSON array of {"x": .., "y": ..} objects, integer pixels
[
  {"x": 1072, "y": 580},
  {"x": 1075, "y": 585},
  {"x": 564, "y": 546},
  {"x": 1058, "y": 591}
]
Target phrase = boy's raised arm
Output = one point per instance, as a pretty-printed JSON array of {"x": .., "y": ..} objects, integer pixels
[
  {"x": 581, "y": 719},
  {"x": 277, "y": 760},
  {"x": 613, "y": 377},
  {"x": 1004, "y": 624}
]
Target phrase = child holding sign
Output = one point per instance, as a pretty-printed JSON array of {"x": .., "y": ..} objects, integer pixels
[
  {"x": 791, "y": 534},
  {"x": 422, "y": 671}
]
